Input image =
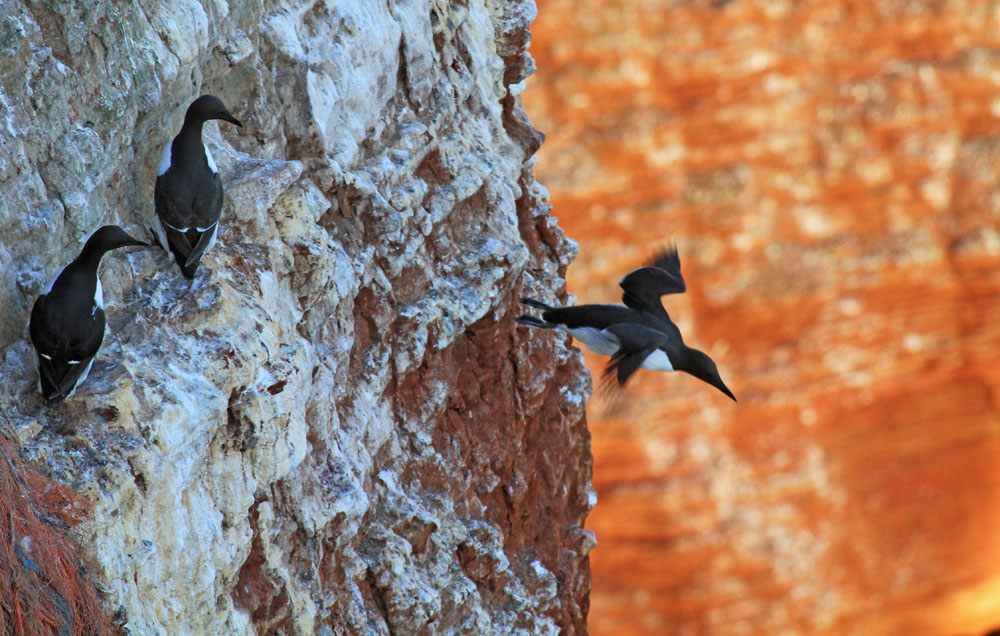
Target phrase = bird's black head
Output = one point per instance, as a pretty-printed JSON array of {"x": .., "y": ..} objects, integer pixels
[
  {"x": 702, "y": 367},
  {"x": 209, "y": 107},
  {"x": 108, "y": 238}
]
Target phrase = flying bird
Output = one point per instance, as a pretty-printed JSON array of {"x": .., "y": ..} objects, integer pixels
[
  {"x": 67, "y": 320},
  {"x": 637, "y": 334},
  {"x": 188, "y": 192}
]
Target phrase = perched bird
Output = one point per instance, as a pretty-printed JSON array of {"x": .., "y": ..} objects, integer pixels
[
  {"x": 188, "y": 193},
  {"x": 638, "y": 333},
  {"x": 67, "y": 320}
]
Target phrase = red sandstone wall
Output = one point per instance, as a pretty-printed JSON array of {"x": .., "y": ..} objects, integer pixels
[{"x": 831, "y": 172}]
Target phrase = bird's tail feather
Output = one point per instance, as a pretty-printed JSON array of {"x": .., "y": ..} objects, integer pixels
[{"x": 189, "y": 270}]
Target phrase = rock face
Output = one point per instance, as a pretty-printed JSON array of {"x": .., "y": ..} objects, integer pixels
[
  {"x": 336, "y": 428},
  {"x": 829, "y": 171}
]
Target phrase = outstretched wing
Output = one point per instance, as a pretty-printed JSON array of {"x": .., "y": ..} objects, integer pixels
[
  {"x": 644, "y": 286},
  {"x": 636, "y": 343}
]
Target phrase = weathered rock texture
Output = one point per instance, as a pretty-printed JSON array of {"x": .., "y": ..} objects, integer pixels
[
  {"x": 831, "y": 172},
  {"x": 336, "y": 428}
]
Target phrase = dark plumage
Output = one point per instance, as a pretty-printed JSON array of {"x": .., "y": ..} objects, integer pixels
[
  {"x": 638, "y": 334},
  {"x": 67, "y": 320},
  {"x": 188, "y": 193}
]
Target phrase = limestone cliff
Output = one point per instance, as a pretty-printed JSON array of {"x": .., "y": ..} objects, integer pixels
[{"x": 336, "y": 428}]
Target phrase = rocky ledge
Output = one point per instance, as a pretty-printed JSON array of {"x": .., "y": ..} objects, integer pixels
[{"x": 336, "y": 428}]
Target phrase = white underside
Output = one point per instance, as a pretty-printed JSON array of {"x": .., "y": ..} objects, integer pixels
[
  {"x": 605, "y": 343},
  {"x": 211, "y": 162},
  {"x": 599, "y": 341},
  {"x": 98, "y": 298},
  {"x": 657, "y": 361}
]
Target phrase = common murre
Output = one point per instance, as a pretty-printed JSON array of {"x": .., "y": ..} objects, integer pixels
[
  {"x": 638, "y": 333},
  {"x": 67, "y": 319},
  {"x": 188, "y": 193}
]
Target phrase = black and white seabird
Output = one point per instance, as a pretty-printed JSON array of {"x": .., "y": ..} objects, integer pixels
[
  {"x": 67, "y": 320},
  {"x": 188, "y": 192},
  {"x": 638, "y": 333}
]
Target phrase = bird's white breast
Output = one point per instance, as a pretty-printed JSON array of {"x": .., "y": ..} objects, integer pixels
[
  {"x": 599, "y": 341},
  {"x": 208, "y": 157},
  {"x": 165, "y": 160},
  {"x": 98, "y": 298},
  {"x": 657, "y": 361}
]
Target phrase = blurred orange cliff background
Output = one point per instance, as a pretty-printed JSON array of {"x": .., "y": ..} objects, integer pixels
[{"x": 830, "y": 172}]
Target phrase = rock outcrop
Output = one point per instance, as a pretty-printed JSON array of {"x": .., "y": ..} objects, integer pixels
[
  {"x": 336, "y": 428},
  {"x": 829, "y": 170}
]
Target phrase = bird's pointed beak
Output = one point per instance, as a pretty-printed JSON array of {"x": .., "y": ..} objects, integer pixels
[
  {"x": 722, "y": 387},
  {"x": 230, "y": 119}
]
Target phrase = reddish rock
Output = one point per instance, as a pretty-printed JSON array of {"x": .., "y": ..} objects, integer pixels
[
  {"x": 44, "y": 586},
  {"x": 830, "y": 173}
]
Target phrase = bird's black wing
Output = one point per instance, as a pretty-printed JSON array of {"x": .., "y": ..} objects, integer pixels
[
  {"x": 60, "y": 361},
  {"x": 170, "y": 210},
  {"x": 598, "y": 316},
  {"x": 643, "y": 286},
  {"x": 206, "y": 210},
  {"x": 213, "y": 203},
  {"x": 57, "y": 392},
  {"x": 173, "y": 215},
  {"x": 45, "y": 348},
  {"x": 636, "y": 342}
]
